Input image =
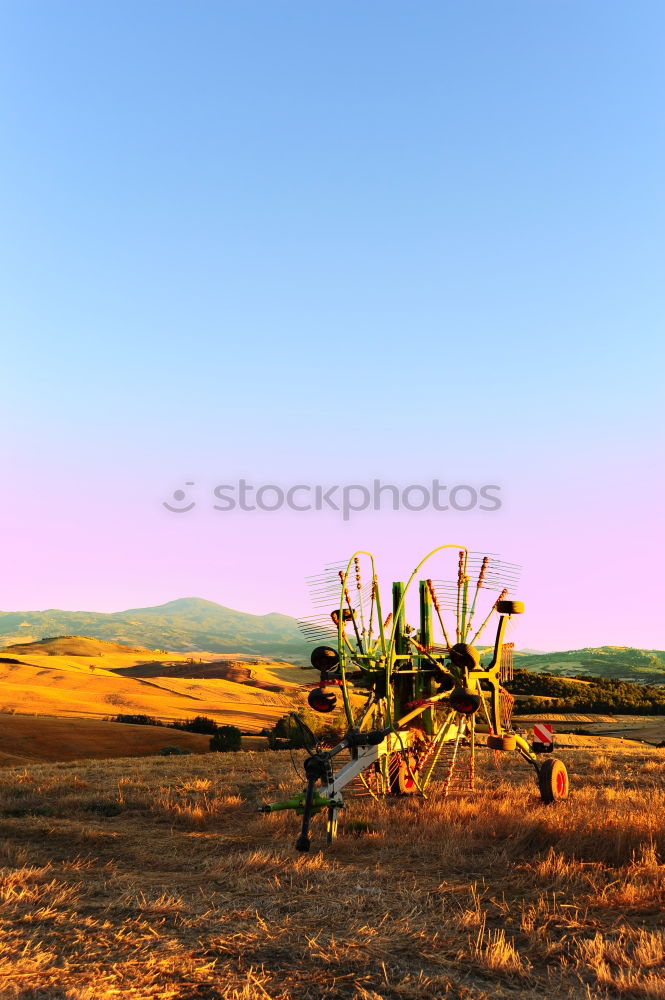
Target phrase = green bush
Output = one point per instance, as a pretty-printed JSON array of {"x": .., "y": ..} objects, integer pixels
[
  {"x": 174, "y": 751},
  {"x": 199, "y": 724},
  {"x": 227, "y": 738},
  {"x": 287, "y": 734},
  {"x": 138, "y": 720}
]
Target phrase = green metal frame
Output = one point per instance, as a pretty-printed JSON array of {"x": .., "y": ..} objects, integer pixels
[{"x": 401, "y": 676}]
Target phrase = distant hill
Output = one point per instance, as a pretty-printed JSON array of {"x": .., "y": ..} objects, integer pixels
[
  {"x": 192, "y": 624},
  {"x": 72, "y": 645},
  {"x": 618, "y": 662},
  {"x": 187, "y": 625}
]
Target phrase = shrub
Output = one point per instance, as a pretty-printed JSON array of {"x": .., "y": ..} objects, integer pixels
[
  {"x": 286, "y": 732},
  {"x": 199, "y": 724},
  {"x": 174, "y": 751},
  {"x": 138, "y": 720},
  {"x": 226, "y": 738}
]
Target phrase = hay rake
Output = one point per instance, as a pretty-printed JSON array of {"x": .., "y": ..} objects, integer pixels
[{"x": 415, "y": 700}]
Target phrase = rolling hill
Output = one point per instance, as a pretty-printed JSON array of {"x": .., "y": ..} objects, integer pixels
[
  {"x": 619, "y": 662},
  {"x": 25, "y": 739},
  {"x": 187, "y": 625},
  {"x": 80, "y": 677},
  {"x": 192, "y": 625}
]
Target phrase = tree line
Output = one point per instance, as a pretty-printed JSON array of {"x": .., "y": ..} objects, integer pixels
[{"x": 596, "y": 694}]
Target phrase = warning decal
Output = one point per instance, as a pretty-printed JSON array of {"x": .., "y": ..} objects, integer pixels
[{"x": 542, "y": 733}]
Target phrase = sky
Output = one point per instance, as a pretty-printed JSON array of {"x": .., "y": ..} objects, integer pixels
[{"x": 325, "y": 244}]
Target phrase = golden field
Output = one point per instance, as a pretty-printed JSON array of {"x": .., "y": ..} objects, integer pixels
[
  {"x": 69, "y": 686},
  {"x": 156, "y": 878},
  {"x": 26, "y": 739},
  {"x": 82, "y": 678}
]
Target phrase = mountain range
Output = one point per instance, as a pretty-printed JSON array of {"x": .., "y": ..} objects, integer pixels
[{"x": 192, "y": 624}]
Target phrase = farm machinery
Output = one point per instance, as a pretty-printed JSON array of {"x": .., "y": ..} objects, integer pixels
[{"x": 416, "y": 701}]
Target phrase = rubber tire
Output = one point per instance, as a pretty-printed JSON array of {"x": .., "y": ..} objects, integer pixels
[
  {"x": 402, "y": 783},
  {"x": 510, "y": 607},
  {"x": 320, "y": 700},
  {"x": 553, "y": 780},
  {"x": 508, "y": 742},
  {"x": 469, "y": 699},
  {"x": 325, "y": 658},
  {"x": 464, "y": 655}
]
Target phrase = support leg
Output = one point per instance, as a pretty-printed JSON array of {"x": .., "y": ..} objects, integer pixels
[
  {"x": 331, "y": 827},
  {"x": 303, "y": 842}
]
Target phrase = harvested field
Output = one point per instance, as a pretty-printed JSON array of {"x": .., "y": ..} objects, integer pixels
[
  {"x": 80, "y": 678},
  {"x": 28, "y": 739},
  {"x": 574, "y": 718},
  {"x": 156, "y": 878}
]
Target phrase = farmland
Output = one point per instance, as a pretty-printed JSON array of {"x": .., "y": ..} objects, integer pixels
[
  {"x": 81, "y": 678},
  {"x": 156, "y": 878}
]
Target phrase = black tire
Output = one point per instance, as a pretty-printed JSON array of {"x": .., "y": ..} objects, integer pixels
[
  {"x": 463, "y": 701},
  {"x": 553, "y": 780},
  {"x": 401, "y": 781},
  {"x": 325, "y": 658},
  {"x": 464, "y": 655},
  {"x": 510, "y": 607},
  {"x": 507, "y": 742},
  {"x": 320, "y": 700}
]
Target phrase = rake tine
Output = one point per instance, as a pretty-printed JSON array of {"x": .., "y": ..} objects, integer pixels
[
  {"x": 322, "y": 619},
  {"x": 359, "y": 588},
  {"x": 435, "y": 602},
  {"x": 479, "y": 583},
  {"x": 460, "y": 582}
]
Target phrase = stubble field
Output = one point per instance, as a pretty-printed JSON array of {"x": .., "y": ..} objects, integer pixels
[{"x": 156, "y": 878}]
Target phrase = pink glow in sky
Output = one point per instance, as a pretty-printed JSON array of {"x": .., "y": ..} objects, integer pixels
[
  {"x": 589, "y": 577},
  {"x": 347, "y": 243}
]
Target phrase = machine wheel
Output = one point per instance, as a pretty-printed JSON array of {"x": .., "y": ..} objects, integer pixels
[
  {"x": 325, "y": 659},
  {"x": 553, "y": 780},
  {"x": 401, "y": 781},
  {"x": 321, "y": 700},
  {"x": 508, "y": 742},
  {"x": 510, "y": 607}
]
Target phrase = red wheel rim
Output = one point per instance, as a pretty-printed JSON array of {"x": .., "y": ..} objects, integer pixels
[
  {"x": 407, "y": 783},
  {"x": 561, "y": 783}
]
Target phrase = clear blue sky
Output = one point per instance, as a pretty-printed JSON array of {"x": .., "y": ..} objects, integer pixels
[{"x": 308, "y": 240}]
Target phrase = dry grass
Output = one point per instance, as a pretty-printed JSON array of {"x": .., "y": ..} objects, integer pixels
[
  {"x": 43, "y": 738},
  {"x": 157, "y": 879}
]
